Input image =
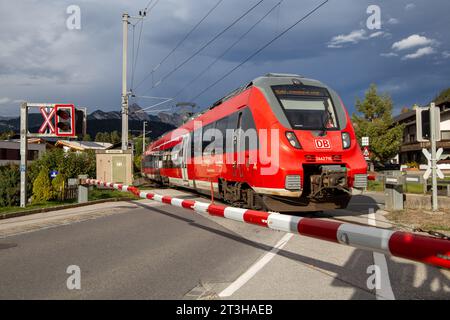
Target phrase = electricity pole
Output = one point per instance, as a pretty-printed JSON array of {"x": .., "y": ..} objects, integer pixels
[
  {"x": 124, "y": 83},
  {"x": 23, "y": 153},
  {"x": 143, "y": 138}
]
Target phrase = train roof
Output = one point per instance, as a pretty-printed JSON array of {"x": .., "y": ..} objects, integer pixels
[{"x": 263, "y": 82}]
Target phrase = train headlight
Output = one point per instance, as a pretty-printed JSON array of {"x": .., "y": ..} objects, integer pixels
[
  {"x": 346, "y": 140},
  {"x": 293, "y": 140}
]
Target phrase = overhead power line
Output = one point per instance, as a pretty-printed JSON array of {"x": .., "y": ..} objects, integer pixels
[
  {"x": 260, "y": 49},
  {"x": 179, "y": 44},
  {"x": 135, "y": 56},
  {"x": 229, "y": 48},
  {"x": 207, "y": 44}
]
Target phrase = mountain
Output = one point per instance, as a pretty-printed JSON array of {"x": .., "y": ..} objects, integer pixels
[
  {"x": 102, "y": 115},
  {"x": 135, "y": 113},
  {"x": 175, "y": 119},
  {"x": 101, "y": 121}
]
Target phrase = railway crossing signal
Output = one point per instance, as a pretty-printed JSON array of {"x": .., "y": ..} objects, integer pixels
[
  {"x": 428, "y": 129},
  {"x": 427, "y": 155},
  {"x": 48, "y": 120},
  {"x": 423, "y": 124},
  {"x": 65, "y": 120},
  {"x": 59, "y": 120}
]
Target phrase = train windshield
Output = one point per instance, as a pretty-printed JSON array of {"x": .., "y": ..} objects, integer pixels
[{"x": 307, "y": 107}]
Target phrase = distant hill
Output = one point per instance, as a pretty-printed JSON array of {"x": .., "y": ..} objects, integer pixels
[{"x": 101, "y": 121}]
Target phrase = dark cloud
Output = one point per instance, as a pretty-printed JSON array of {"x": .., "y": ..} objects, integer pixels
[{"x": 40, "y": 60}]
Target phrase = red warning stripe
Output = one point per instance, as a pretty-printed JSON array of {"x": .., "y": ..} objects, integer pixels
[
  {"x": 320, "y": 229},
  {"x": 420, "y": 248}
]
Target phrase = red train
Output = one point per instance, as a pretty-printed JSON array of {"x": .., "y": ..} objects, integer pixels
[{"x": 282, "y": 142}]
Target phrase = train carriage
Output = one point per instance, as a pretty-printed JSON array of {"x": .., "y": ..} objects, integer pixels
[{"x": 282, "y": 142}]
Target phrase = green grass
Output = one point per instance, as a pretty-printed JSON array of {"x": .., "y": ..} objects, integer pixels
[
  {"x": 43, "y": 205},
  {"x": 413, "y": 188},
  {"x": 375, "y": 186},
  {"x": 99, "y": 194},
  {"x": 95, "y": 194}
]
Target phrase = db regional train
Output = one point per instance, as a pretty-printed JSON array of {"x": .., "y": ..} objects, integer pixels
[{"x": 282, "y": 143}]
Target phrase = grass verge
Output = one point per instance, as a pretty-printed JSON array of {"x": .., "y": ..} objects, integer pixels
[
  {"x": 439, "y": 221},
  {"x": 95, "y": 194}
]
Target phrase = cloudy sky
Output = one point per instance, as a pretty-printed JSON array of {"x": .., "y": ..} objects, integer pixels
[{"x": 42, "y": 60}]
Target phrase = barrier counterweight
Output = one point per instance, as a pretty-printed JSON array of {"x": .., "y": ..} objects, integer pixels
[{"x": 406, "y": 245}]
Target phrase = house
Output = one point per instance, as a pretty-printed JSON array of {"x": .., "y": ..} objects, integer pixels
[
  {"x": 411, "y": 149},
  {"x": 10, "y": 151},
  {"x": 81, "y": 146}
]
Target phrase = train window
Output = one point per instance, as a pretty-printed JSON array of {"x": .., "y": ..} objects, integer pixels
[
  {"x": 197, "y": 145},
  {"x": 208, "y": 138},
  {"x": 247, "y": 120},
  {"x": 221, "y": 125},
  {"x": 307, "y": 107},
  {"x": 249, "y": 135}
]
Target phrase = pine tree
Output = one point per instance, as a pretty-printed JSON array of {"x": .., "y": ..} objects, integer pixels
[{"x": 42, "y": 188}]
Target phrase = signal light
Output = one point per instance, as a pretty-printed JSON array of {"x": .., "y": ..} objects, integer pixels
[
  {"x": 65, "y": 120},
  {"x": 423, "y": 124}
]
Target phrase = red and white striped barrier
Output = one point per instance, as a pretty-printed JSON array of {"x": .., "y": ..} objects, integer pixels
[{"x": 406, "y": 245}]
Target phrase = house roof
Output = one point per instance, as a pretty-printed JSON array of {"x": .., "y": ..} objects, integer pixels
[
  {"x": 84, "y": 145},
  {"x": 406, "y": 115}
]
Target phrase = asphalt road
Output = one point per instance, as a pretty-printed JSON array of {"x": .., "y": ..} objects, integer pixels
[{"x": 146, "y": 250}]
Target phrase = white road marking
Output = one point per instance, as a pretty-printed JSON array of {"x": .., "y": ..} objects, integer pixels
[
  {"x": 385, "y": 292},
  {"x": 255, "y": 268}
]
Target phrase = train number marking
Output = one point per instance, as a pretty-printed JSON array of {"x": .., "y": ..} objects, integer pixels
[{"x": 322, "y": 144}]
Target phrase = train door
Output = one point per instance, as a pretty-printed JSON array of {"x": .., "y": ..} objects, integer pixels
[
  {"x": 237, "y": 166},
  {"x": 186, "y": 149}
]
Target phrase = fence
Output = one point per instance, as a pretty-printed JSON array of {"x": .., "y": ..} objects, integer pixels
[{"x": 415, "y": 183}]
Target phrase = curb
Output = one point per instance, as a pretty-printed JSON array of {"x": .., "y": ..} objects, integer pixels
[{"x": 16, "y": 214}]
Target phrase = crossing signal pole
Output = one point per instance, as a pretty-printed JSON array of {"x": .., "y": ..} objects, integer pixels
[{"x": 428, "y": 129}]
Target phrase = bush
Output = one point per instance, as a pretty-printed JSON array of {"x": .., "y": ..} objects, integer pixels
[
  {"x": 9, "y": 186},
  {"x": 58, "y": 187},
  {"x": 42, "y": 188},
  {"x": 412, "y": 164}
]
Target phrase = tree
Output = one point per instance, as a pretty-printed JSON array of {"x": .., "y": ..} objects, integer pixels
[
  {"x": 9, "y": 185},
  {"x": 443, "y": 96},
  {"x": 115, "y": 137},
  {"x": 405, "y": 109},
  {"x": 87, "y": 137},
  {"x": 6, "y": 135},
  {"x": 58, "y": 187},
  {"x": 376, "y": 123},
  {"x": 100, "y": 137},
  {"x": 42, "y": 188}
]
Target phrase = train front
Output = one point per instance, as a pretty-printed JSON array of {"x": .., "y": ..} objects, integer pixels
[{"x": 320, "y": 161}]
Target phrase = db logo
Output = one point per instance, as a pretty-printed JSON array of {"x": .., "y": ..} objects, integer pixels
[{"x": 322, "y": 144}]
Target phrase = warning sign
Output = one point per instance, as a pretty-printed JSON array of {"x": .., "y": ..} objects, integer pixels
[{"x": 366, "y": 153}]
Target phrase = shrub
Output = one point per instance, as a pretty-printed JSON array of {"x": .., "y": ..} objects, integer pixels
[
  {"x": 58, "y": 187},
  {"x": 9, "y": 185},
  {"x": 42, "y": 188}
]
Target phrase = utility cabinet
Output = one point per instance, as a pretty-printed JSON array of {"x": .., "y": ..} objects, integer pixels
[
  {"x": 115, "y": 166},
  {"x": 393, "y": 191}
]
